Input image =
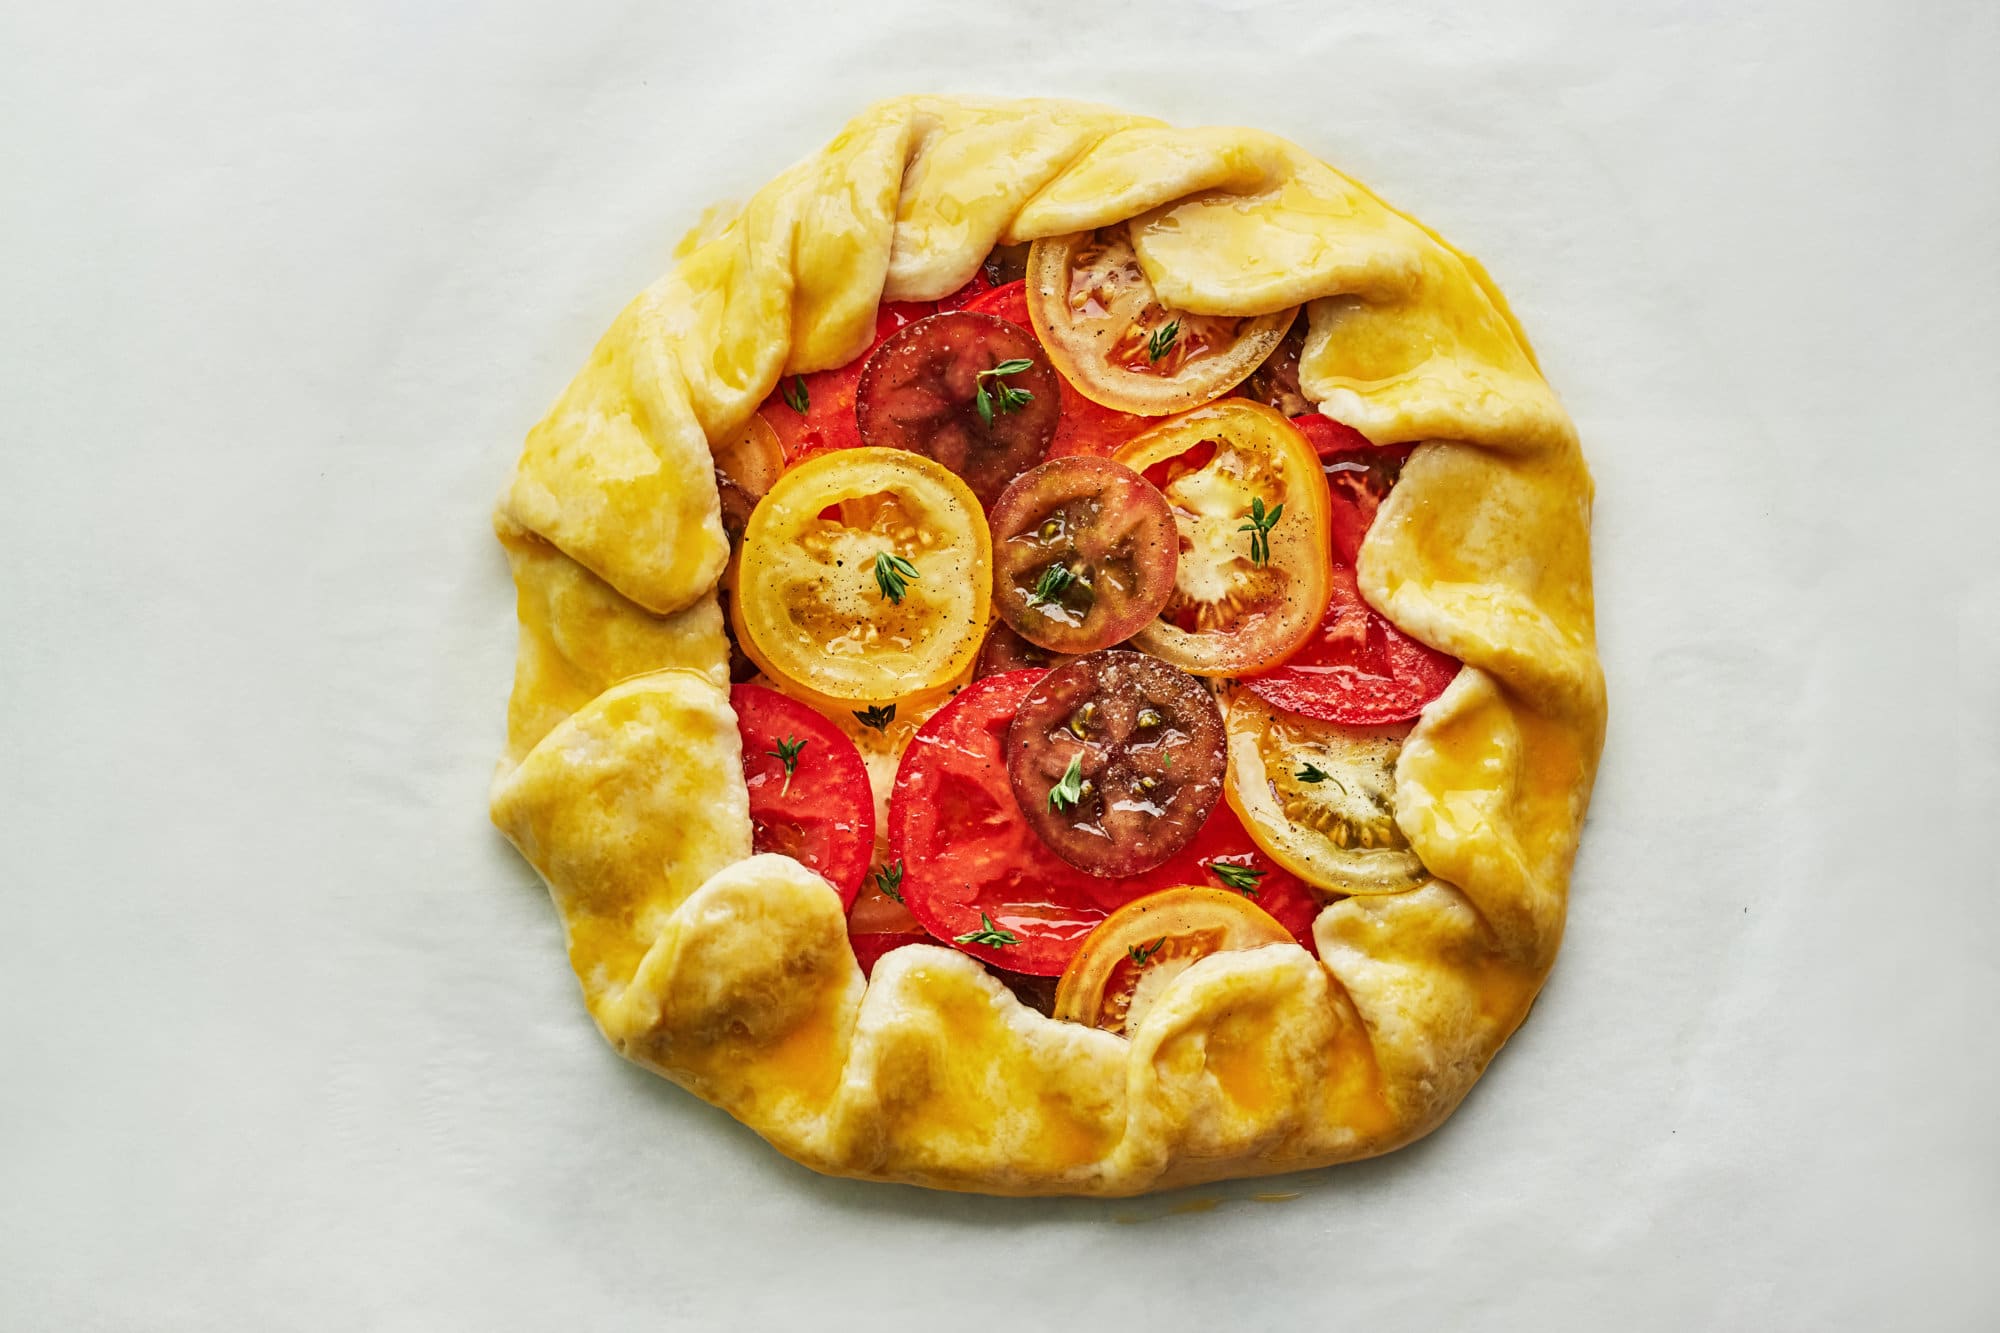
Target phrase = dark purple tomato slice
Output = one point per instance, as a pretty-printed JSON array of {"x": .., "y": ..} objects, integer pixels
[
  {"x": 1116, "y": 761},
  {"x": 1004, "y": 651},
  {"x": 1084, "y": 554},
  {"x": 970, "y": 390}
]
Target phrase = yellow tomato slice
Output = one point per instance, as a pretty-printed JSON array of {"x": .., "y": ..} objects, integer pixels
[
  {"x": 1232, "y": 612},
  {"x": 809, "y": 603},
  {"x": 1126, "y": 963},
  {"x": 1320, "y": 798},
  {"x": 1104, "y": 328}
]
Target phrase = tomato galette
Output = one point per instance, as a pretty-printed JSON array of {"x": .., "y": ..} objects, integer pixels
[{"x": 1056, "y": 657}]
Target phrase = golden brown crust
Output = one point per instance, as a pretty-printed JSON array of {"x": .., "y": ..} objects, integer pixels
[{"x": 732, "y": 976}]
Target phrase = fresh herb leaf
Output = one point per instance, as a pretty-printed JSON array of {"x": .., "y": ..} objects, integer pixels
[
  {"x": 988, "y": 934},
  {"x": 1259, "y": 527},
  {"x": 1142, "y": 954},
  {"x": 1162, "y": 340},
  {"x": 1054, "y": 582},
  {"x": 892, "y": 572},
  {"x": 1002, "y": 397},
  {"x": 1070, "y": 790},
  {"x": 787, "y": 754},
  {"x": 876, "y": 719},
  {"x": 1243, "y": 879},
  {"x": 1311, "y": 773},
  {"x": 796, "y": 396},
  {"x": 889, "y": 879}
]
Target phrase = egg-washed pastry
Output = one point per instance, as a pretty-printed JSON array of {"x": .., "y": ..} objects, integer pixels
[{"x": 1056, "y": 657}]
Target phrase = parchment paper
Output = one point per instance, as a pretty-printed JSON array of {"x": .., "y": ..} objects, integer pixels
[{"x": 288, "y": 1038}]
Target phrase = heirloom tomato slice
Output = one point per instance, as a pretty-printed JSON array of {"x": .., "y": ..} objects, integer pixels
[
  {"x": 1127, "y": 963},
  {"x": 864, "y": 577},
  {"x": 1083, "y": 554},
  {"x": 1251, "y": 506},
  {"x": 1320, "y": 798},
  {"x": 1116, "y": 761},
  {"x": 1104, "y": 327}
]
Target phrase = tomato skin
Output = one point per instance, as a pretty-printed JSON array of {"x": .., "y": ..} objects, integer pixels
[
  {"x": 965, "y": 848},
  {"x": 824, "y": 816},
  {"x": 1086, "y": 427}
]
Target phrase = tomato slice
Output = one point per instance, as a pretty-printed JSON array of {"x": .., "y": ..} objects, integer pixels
[
  {"x": 1224, "y": 855},
  {"x": 969, "y": 390},
  {"x": 809, "y": 796},
  {"x": 865, "y": 577},
  {"x": 1084, "y": 551},
  {"x": 1239, "y": 604},
  {"x": 1116, "y": 761},
  {"x": 1086, "y": 427},
  {"x": 970, "y": 860},
  {"x": 1128, "y": 962},
  {"x": 1004, "y": 650},
  {"x": 1275, "y": 382},
  {"x": 1095, "y": 310},
  {"x": 1320, "y": 798},
  {"x": 811, "y": 414},
  {"x": 974, "y": 873},
  {"x": 752, "y": 458},
  {"x": 1356, "y": 668}
]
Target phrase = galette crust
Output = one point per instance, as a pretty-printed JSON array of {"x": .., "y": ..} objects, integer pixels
[{"x": 731, "y": 974}]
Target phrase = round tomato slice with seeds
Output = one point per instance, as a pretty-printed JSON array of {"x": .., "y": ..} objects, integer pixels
[
  {"x": 1128, "y": 962},
  {"x": 809, "y": 796},
  {"x": 1083, "y": 554},
  {"x": 1250, "y": 503},
  {"x": 1095, "y": 310},
  {"x": 969, "y": 390},
  {"x": 1116, "y": 761},
  {"x": 1087, "y": 427}
]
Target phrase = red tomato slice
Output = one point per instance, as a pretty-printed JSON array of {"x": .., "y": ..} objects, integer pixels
[
  {"x": 1086, "y": 427},
  {"x": 971, "y": 861},
  {"x": 1329, "y": 437},
  {"x": 820, "y": 813},
  {"x": 878, "y": 923},
  {"x": 1356, "y": 669},
  {"x": 1358, "y": 479}
]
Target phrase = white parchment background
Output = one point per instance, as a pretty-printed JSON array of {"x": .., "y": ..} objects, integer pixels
[{"x": 286, "y": 1038}]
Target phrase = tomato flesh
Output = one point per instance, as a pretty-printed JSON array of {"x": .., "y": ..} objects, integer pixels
[{"x": 819, "y": 812}]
